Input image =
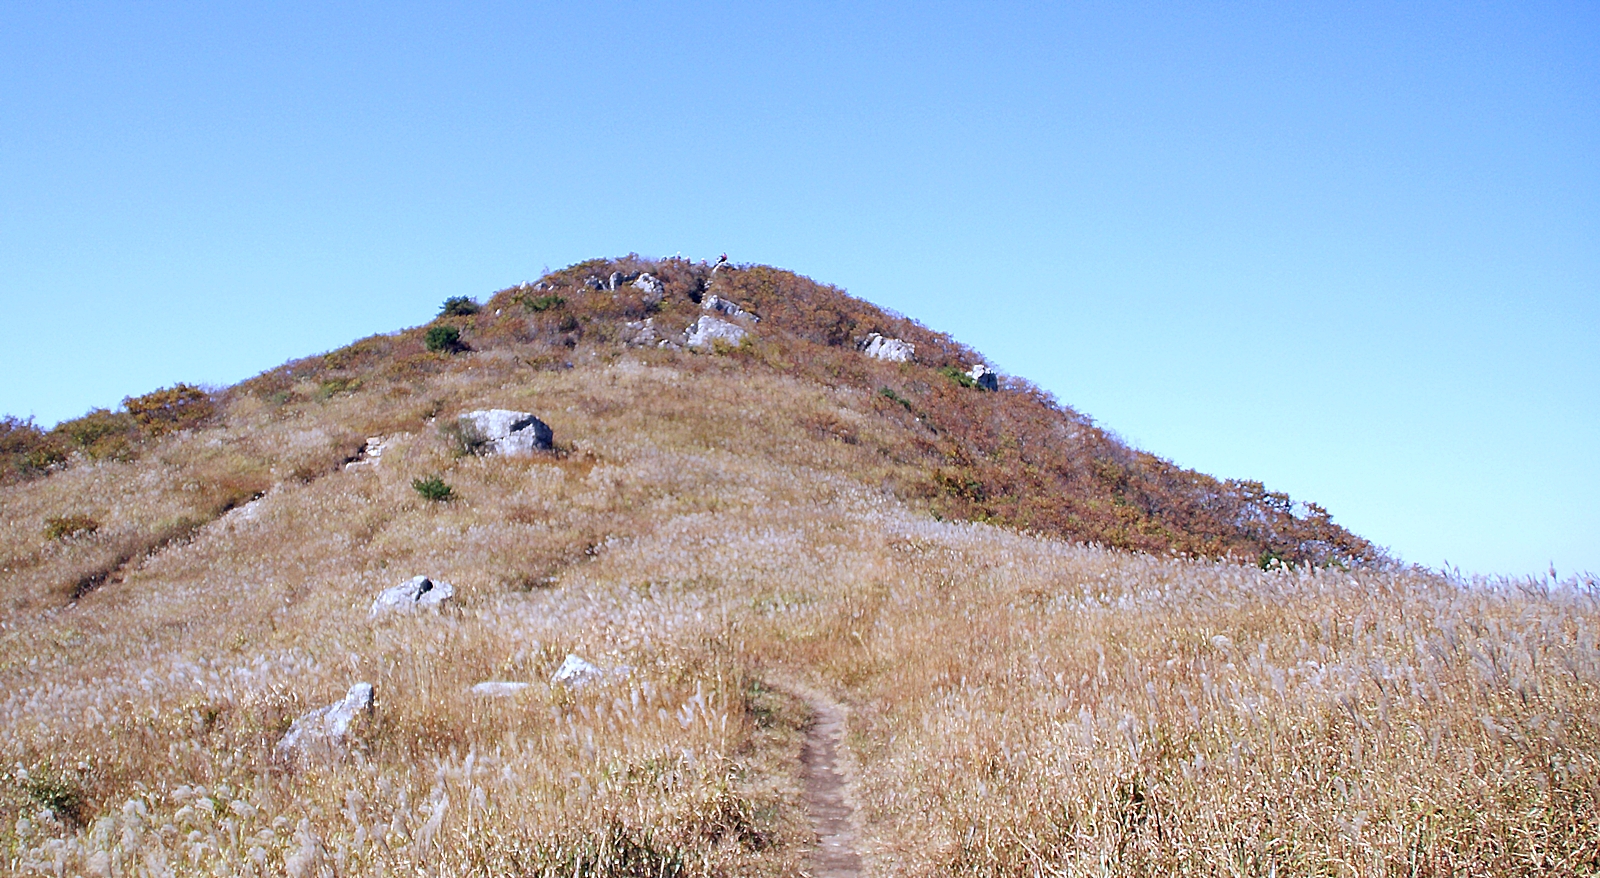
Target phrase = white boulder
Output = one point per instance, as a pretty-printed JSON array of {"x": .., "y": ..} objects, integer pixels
[
  {"x": 509, "y": 432},
  {"x": 327, "y": 726},
  {"x": 416, "y": 593},
  {"x": 498, "y": 688},
  {"x": 576, "y": 673},
  {"x": 984, "y": 376},
  {"x": 892, "y": 349},
  {"x": 707, "y": 330}
]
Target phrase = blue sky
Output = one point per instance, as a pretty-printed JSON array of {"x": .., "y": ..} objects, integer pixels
[{"x": 1350, "y": 250}]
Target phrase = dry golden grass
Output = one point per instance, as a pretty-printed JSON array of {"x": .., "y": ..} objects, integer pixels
[{"x": 730, "y": 535}]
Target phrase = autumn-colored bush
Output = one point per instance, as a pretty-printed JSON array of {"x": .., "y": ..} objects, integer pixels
[
  {"x": 25, "y": 450},
  {"x": 179, "y": 407},
  {"x": 101, "y": 434}
]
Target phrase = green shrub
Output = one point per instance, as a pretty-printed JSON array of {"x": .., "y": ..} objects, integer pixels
[
  {"x": 334, "y": 386},
  {"x": 61, "y": 794},
  {"x": 889, "y": 394},
  {"x": 544, "y": 303},
  {"x": 61, "y": 527},
  {"x": 955, "y": 374},
  {"x": 433, "y": 488},
  {"x": 458, "y": 306},
  {"x": 444, "y": 338}
]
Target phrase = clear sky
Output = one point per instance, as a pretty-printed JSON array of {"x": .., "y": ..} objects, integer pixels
[{"x": 1350, "y": 250}]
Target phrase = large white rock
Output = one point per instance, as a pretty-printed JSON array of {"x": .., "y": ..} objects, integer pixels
[
  {"x": 510, "y": 432},
  {"x": 416, "y": 593},
  {"x": 327, "y": 727},
  {"x": 985, "y": 377},
  {"x": 703, "y": 332},
  {"x": 576, "y": 673},
  {"x": 892, "y": 349},
  {"x": 498, "y": 688},
  {"x": 723, "y": 306}
]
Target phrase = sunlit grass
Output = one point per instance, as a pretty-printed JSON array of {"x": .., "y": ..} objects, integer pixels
[{"x": 714, "y": 531}]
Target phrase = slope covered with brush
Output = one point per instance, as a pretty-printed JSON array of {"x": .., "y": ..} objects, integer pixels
[{"x": 1015, "y": 456}]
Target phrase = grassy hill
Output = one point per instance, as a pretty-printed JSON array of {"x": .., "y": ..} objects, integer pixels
[{"x": 1055, "y": 654}]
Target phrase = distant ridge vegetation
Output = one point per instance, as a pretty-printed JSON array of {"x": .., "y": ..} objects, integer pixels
[{"x": 1016, "y": 457}]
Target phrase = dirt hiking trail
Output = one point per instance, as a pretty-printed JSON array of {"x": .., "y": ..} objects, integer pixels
[{"x": 836, "y": 855}]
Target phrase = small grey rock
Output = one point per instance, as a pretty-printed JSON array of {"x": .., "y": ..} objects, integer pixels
[
  {"x": 640, "y": 333},
  {"x": 416, "y": 593},
  {"x": 328, "y": 726},
  {"x": 576, "y": 673},
  {"x": 498, "y": 688}
]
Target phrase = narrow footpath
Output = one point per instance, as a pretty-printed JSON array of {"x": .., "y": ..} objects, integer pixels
[{"x": 836, "y": 855}]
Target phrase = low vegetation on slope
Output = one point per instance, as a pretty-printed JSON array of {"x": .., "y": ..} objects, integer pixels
[
  {"x": 1015, "y": 457},
  {"x": 723, "y": 530}
]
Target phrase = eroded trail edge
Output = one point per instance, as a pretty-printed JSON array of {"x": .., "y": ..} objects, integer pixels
[{"x": 836, "y": 855}]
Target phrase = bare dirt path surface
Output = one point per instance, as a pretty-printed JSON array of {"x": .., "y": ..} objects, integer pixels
[{"x": 836, "y": 855}]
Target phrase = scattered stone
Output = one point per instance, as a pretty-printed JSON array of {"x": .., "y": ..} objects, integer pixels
[
  {"x": 641, "y": 333},
  {"x": 369, "y": 453},
  {"x": 498, "y": 688},
  {"x": 703, "y": 332},
  {"x": 723, "y": 306},
  {"x": 416, "y": 593},
  {"x": 593, "y": 283},
  {"x": 508, "y": 432},
  {"x": 244, "y": 512},
  {"x": 576, "y": 673},
  {"x": 328, "y": 726},
  {"x": 617, "y": 279},
  {"x": 985, "y": 377},
  {"x": 892, "y": 349},
  {"x": 652, "y": 288}
]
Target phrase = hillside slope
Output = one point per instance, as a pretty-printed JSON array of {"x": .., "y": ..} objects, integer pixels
[
  {"x": 1015, "y": 457},
  {"x": 733, "y": 533}
]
